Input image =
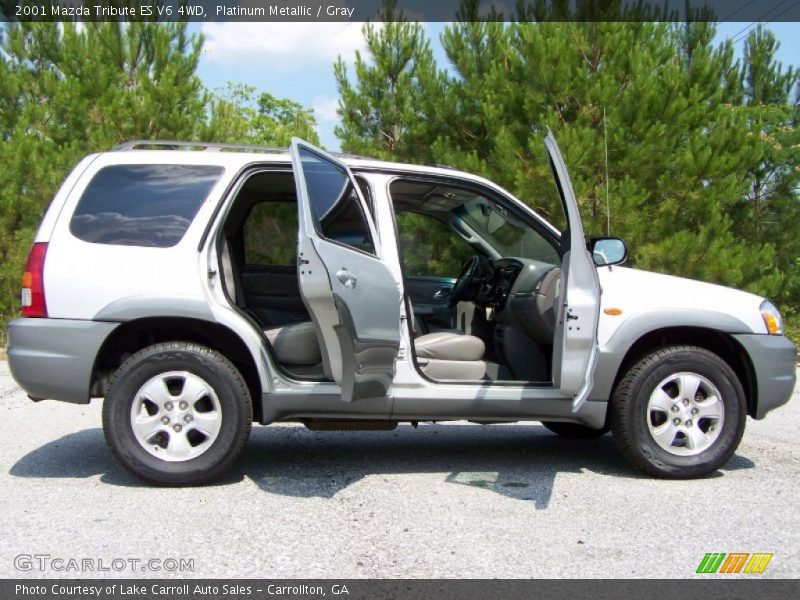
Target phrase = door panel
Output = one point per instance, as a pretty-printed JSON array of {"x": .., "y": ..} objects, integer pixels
[
  {"x": 273, "y": 295},
  {"x": 430, "y": 297},
  {"x": 578, "y": 307},
  {"x": 351, "y": 294}
]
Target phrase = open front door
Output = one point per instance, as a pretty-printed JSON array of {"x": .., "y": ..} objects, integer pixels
[
  {"x": 348, "y": 290},
  {"x": 575, "y": 343}
]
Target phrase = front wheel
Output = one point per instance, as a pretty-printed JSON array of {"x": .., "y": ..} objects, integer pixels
[
  {"x": 678, "y": 413},
  {"x": 177, "y": 413}
]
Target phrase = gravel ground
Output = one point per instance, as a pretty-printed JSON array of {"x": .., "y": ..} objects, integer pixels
[{"x": 450, "y": 500}]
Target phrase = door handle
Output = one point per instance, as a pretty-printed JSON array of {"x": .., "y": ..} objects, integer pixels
[
  {"x": 441, "y": 293},
  {"x": 347, "y": 278}
]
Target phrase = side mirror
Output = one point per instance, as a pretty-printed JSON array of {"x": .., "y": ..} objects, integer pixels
[{"x": 608, "y": 251}]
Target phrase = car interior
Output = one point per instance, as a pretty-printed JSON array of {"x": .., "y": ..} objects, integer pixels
[{"x": 481, "y": 281}]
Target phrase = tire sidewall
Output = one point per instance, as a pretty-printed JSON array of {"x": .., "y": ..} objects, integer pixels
[
  {"x": 732, "y": 397},
  {"x": 150, "y": 363}
]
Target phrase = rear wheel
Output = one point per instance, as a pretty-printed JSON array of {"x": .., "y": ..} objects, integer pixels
[
  {"x": 574, "y": 431},
  {"x": 177, "y": 413},
  {"x": 679, "y": 413}
]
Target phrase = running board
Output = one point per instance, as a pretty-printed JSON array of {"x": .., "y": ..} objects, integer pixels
[{"x": 348, "y": 425}]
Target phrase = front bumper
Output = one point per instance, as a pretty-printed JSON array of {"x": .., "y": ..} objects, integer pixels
[
  {"x": 774, "y": 361},
  {"x": 54, "y": 358}
]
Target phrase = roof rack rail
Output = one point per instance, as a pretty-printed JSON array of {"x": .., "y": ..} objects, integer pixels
[
  {"x": 350, "y": 155},
  {"x": 213, "y": 147},
  {"x": 199, "y": 146}
]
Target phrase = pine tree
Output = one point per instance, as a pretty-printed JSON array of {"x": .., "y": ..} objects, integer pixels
[
  {"x": 770, "y": 209},
  {"x": 67, "y": 91},
  {"x": 657, "y": 89},
  {"x": 381, "y": 110},
  {"x": 680, "y": 146},
  {"x": 239, "y": 115}
]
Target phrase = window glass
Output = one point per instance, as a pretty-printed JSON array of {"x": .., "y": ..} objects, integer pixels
[
  {"x": 506, "y": 233},
  {"x": 429, "y": 247},
  {"x": 366, "y": 193},
  {"x": 142, "y": 205},
  {"x": 270, "y": 234},
  {"x": 334, "y": 203}
]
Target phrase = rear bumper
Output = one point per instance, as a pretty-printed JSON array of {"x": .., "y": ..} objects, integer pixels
[
  {"x": 54, "y": 358},
  {"x": 774, "y": 361}
]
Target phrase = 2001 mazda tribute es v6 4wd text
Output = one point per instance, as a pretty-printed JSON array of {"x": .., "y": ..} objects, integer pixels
[{"x": 199, "y": 287}]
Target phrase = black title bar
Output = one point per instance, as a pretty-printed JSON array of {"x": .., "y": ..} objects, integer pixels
[{"x": 414, "y": 10}]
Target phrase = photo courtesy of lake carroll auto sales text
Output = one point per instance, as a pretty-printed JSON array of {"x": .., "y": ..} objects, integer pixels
[
  {"x": 182, "y": 589},
  {"x": 399, "y": 299}
]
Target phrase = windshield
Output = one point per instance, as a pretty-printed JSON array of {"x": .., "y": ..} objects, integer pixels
[{"x": 505, "y": 232}]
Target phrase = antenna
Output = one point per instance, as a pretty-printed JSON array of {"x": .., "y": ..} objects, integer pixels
[{"x": 605, "y": 142}]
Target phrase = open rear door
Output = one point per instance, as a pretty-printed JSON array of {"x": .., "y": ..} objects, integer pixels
[
  {"x": 349, "y": 291},
  {"x": 575, "y": 343}
]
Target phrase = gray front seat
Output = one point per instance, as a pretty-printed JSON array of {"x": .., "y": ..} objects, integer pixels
[
  {"x": 449, "y": 355},
  {"x": 446, "y": 355},
  {"x": 441, "y": 355}
]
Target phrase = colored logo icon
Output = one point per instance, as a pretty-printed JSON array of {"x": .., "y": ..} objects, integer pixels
[{"x": 734, "y": 562}]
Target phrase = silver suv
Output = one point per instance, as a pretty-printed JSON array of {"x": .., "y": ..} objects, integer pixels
[{"x": 200, "y": 287}]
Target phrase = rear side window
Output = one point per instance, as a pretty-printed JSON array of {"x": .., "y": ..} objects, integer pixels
[
  {"x": 270, "y": 235},
  {"x": 142, "y": 205}
]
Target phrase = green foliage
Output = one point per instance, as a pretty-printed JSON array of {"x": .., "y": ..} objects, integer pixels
[
  {"x": 239, "y": 115},
  {"x": 791, "y": 323},
  {"x": 429, "y": 247},
  {"x": 67, "y": 91},
  {"x": 769, "y": 212},
  {"x": 702, "y": 149},
  {"x": 270, "y": 234},
  {"x": 382, "y": 109}
]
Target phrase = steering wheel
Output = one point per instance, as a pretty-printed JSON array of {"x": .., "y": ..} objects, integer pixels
[{"x": 475, "y": 271}]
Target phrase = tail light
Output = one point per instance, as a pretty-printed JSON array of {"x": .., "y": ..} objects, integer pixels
[{"x": 33, "y": 301}]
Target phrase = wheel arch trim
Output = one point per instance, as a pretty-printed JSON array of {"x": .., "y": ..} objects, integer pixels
[
  {"x": 161, "y": 313},
  {"x": 150, "y": 306},
  {"x": 613, "y": 354}
]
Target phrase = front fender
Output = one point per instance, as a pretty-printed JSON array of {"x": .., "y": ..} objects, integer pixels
[{"x": 612, "y": 354}]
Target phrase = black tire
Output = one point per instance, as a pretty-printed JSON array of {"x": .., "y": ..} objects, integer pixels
[
  {"x": 574, "y": 431},
  {"x": 213, "y": 368},
  {"x": 629, "y": 415}
]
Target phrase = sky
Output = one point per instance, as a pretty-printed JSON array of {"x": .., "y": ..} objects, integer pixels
[{"x": 296, "y": 60}]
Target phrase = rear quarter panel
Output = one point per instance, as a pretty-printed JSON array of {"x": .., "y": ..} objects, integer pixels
[{"x": 81, "y": 278}]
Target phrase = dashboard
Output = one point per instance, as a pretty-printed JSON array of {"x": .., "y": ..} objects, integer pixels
[
  {"x": 522, "y": 293},
  {"x": 496, "y": 289}
]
